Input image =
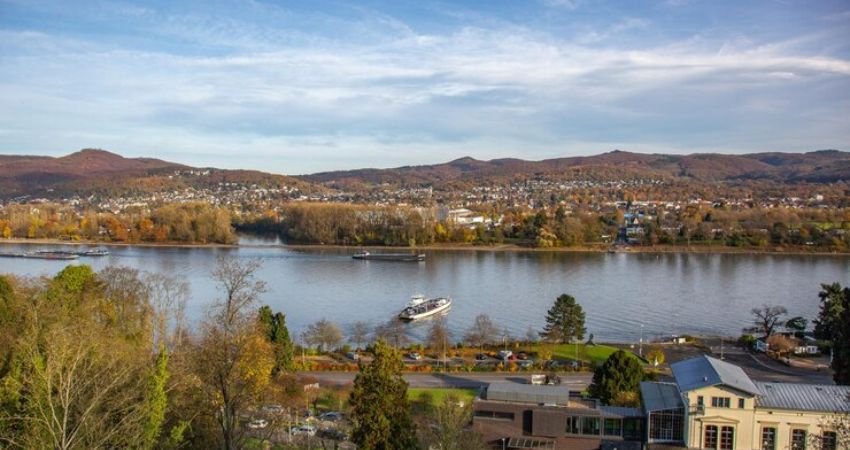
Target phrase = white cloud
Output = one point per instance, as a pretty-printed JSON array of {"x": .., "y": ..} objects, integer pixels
[{"x": 402, "y": 96}]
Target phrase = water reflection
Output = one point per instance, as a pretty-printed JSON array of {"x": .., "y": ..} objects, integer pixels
[{"x": 670, "y": 293}]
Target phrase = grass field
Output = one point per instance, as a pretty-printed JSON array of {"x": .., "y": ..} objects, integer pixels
[
  {"x": 587, "y": 353},
  {"x": 439, "y": 394}
]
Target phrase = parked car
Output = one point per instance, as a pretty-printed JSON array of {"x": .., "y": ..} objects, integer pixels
[
  {"x": 505, "y": 355},
  {"x": 258, "y": 424},
  {"x": 352, "y": 356},
  {"x": 522, "y": 356},
  {"x": 481, "y": 357},
  {"x": 525, "y": 363},
  {"x": 303, "y": 430},
  {"x": 414, "y": 356},
  {"x": 331, "y": 416}
]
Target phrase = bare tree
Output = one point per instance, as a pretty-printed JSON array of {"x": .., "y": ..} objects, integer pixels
[
  {"x": 168, "y": 297},
  {"x": 233, "y": 360},
  {"x": 766, "y": 319},
  {"x": 323, "y": 334},
  {"x": 439, "y": 336},
  {"x": 482, "y": 332},
  {"x": 394, "y": 332},
  {"x": 359, "y": 333}
]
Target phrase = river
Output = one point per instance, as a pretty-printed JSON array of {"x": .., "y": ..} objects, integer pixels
[{"x": 624, "y": 295}]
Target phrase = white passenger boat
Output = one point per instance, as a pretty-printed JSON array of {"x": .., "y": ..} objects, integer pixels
[{"x": 419, "y": 307}]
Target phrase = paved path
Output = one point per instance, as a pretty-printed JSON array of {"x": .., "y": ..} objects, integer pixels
[{"x": 576, "y": 382}]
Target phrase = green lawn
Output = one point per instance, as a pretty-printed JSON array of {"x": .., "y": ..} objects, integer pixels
[
  {"x": 587, "y": 353},
  {"x": 439, "y": 394}
]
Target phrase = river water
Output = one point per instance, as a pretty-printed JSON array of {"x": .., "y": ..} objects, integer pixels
[{"x": 624, "y": 295}]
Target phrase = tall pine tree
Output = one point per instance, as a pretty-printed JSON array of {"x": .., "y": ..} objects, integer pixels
[
  {"x": 379, "y": 409},
  {"x": 564, "y": 321}
]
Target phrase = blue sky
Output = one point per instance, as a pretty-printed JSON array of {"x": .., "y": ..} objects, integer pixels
[{"x": 301, "y": 87}]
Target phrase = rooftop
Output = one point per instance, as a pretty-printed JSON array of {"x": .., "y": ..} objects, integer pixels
[
  {"x": 528, "y": 393},
  {"x": 804, "y": 397},
  {"x": 704, "y": 371},
  {"x": 660, "y": 396}
]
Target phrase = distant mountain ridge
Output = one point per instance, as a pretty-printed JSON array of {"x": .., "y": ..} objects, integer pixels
[
  {"x": 91, "y": 171},
  {"x": 94, "y": 171},
  {"x": 823, "y": 166}
]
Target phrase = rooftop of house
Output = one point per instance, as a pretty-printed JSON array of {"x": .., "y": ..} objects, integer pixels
[
  {"x": 704, "y": 371},
  {"x": 660, "y": 396},
  {"x": 527, "y": 393},
  {"x": 804, "y": 397}
]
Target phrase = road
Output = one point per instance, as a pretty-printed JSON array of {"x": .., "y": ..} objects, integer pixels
[{"x": 576, "y": 382}]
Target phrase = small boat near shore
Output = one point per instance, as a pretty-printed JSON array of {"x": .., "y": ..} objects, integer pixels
[
  {"x": 409, "y": 257},
  {"x": 419, "y": 307},
  {"x": 38, "y": 255},
  {"x": 96, "y": 252}
]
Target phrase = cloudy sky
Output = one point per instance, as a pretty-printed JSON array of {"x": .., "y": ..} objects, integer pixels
[{"x": 300, "y": 87}]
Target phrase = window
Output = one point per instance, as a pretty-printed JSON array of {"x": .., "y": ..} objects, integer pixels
[
  {"x": 613, "y": 427},
  {"x": 720, "y": 402},
  {"x": 666, "y": 425},
  {"x": 573, "y": 425},
  {"x": 741, "y": 403},
  {"x": 829, "y": 440},
  {"x": 700, "y": 401},
  {"x": 710, "y": 439},
  {"x": 798, "y": 439},
  {"x": 727, "y": 438},
  {"x": 590, "y": 426},
  {"x": 768, "y": 438},
  {"x": 494, "y": 415}
]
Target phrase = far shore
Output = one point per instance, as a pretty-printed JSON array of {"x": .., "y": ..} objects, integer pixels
[{"x": 600, "y": 248}]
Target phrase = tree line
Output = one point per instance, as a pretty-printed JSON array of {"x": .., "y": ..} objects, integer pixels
[{"x": 179, "y": 222}]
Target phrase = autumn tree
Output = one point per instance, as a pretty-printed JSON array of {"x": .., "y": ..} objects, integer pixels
[
  {"x": 564, "y": 321},
  {"x": 380, "y": 413},
  {"x": 83, "y": 370},
  {"x": 620, "y": 373},
  {"x": 233, "y": 358},
  {"x": 445, "y": 426}
]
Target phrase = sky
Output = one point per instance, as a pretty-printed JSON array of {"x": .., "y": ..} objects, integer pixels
[{"x": 309, "y": 86}]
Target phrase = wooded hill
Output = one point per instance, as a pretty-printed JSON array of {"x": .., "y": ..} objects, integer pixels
[
  {"x": 824, "y": 166},
  {"x": 93, "y": 171}
]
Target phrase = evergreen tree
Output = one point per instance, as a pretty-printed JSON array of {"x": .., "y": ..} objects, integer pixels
[
  {"x": 620, "y": 374},
  {"x": 564, "y": 321},
  {"x": 841, "y": 345},
  {"x": 379, "y": 408},
  {"x": 276, "y": 332},
  {"x": 832, "y": 300}
]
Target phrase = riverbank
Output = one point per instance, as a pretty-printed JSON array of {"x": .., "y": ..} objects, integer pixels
[{"x": 600, "y": 248}]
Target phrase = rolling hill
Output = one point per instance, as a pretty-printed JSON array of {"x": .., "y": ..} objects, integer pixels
[
  {"x": 825, "y": 166},
  {"x": 93, "y": 171}
]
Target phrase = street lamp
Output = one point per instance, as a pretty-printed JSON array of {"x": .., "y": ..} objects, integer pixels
[
  {"x": 504, "y": 441},
  {"x": 640, "y": 347}
]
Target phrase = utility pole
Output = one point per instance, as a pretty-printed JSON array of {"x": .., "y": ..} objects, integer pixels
[{"x": 640, "y": 345}]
